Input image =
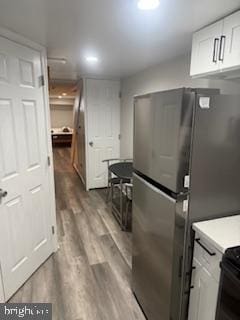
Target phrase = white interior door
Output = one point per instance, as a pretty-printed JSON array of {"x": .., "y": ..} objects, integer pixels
[
  {"x": 103, "y": 125},
  {"x": 25, "y": 214}
]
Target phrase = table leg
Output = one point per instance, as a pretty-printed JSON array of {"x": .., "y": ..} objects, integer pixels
[{"x": 121, "y": 204}]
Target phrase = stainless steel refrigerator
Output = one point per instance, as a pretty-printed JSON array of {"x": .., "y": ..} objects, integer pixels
[{"x": 187, "y": 169}]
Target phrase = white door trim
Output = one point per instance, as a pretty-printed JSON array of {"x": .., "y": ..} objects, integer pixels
[
  {"x": 5, "y": 33},
  {"x": 1, "y": 286},
  {"x": 86, "y": 132}
]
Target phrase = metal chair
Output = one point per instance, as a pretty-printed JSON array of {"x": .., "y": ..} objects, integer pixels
[
  {"x": 114, "y": 181},
  {"x": 129, "y": 196}
]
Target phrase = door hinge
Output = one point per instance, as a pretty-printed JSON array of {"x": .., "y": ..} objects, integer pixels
[
  {"x": 53, "y": 230},
  {"x": 120, "y": 95},
  {"x": 49, "y": 161},
  {"x": 119, "y": 136},
  {"x": 41, "y": 81}
]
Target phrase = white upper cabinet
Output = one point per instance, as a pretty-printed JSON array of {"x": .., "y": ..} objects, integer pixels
[
  {"x": 205, "y": 49},
  {"x": 216, "y": 48},
  {"x": 231, "y": 42}
]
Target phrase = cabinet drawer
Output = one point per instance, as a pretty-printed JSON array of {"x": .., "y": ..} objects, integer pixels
[{"x": 208, "y": 256}]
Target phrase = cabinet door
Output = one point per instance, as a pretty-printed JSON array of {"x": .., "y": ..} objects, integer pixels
[
  {"x": 230, "y": 53},
  {"x": 203, "y": 298},
  {"x": 205, "y": 49}
]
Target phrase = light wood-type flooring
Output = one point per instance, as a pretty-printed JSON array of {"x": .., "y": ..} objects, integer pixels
[{"x": 89, "y": 278}]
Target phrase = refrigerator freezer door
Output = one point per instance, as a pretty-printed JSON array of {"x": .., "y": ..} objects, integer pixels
[
  {"x": 153, "y": 249},
  {"x": 143, "y": 120},
  {"x": 215, "y": 174},
  {"x": 162, "y": 136}
]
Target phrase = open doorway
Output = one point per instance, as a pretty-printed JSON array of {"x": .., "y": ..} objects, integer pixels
[{"x": 62, "y": 98}]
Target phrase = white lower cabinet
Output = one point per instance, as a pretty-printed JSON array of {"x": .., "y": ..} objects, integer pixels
[{"x": 205, "y": 282}]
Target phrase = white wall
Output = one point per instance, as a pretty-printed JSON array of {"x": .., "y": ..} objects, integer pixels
[
  {"x": 168, "y": 75},
  {"x": 61, "y": 116}
]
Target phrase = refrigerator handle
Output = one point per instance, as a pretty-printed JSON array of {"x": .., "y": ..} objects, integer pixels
[{"x": 180, "y": 267}]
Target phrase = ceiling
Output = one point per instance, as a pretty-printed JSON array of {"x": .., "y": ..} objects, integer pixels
[
  {"x": 64, "y": 90},
  {"x": 125, "y": 39}
]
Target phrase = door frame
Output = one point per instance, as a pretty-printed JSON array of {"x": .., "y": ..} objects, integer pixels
[
  {"x": 14, "y": 37},
  {"x": 86, "y": 131}
]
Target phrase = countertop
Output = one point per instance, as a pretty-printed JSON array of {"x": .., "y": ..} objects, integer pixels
[
  {"x": 222, "y": 233},
  {"x": 59, "y": 131}
]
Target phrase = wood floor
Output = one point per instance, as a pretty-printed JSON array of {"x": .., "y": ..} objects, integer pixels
[{"x": 89, "y": 278}]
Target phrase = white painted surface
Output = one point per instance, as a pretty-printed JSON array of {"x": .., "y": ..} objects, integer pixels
[
  {"x": 204, "y": 57},
  {"x": 203, "y": 297},
  {"x": 171, "y": 74},
  {"x": 61, "y": 116},
  {"x": 124, "y": 38},
  {"x": 1, "y": 288},
  {"x": 27, "y": 211},
  {"x": 205, "y": 280},
  {"x": 222, "y": 233},
  {"x": 103, "y": 128},
  {"x": 231, "y": 46}
]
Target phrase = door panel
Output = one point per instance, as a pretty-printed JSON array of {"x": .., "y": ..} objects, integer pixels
[
  {"x": 153, "y": 247},
  {"x": 25, "y": 228},
  {"x": 203, "y": 298},
  {"x": 103, "y": 118},
  {"x": 230, "y": 46},
  {"x": 31, "y": 133},
  {"x": 204, "y": 55},
  {"x": 8, "y": 139},
  {"x": 26, "y": 69}
]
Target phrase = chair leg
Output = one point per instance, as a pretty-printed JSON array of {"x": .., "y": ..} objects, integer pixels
[
  {"x": 127, "y": 213},
  {"x": 108, "y": 187},
  {"x": 111, "y": 194},
  {"x": 122, "y": 211}
]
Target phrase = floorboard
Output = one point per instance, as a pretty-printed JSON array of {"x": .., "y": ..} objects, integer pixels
[{"x": 89, "y": 277}]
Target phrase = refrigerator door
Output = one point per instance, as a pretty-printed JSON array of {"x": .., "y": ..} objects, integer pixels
[
  {"x": 162, "y": 136},
  {"x": 153, "y": 249},
  {"x": 215, "y": 174},
  {"x": 143, "y": 122}
]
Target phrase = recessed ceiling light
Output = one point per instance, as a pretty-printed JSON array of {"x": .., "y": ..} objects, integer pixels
[
  {"x": 92, "y": 59},
  {"x": 64, "y": 94},
  {"x": 148, "y": 4},
  {"x": 59, "y": 97}
]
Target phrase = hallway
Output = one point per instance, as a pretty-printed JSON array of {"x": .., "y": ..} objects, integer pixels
[{"x": 89, "y": 278}]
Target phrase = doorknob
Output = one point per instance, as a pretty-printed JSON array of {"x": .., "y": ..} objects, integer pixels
[
  {"x": 3, "y": 194},
  {"x": 91, "y": 144}
]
